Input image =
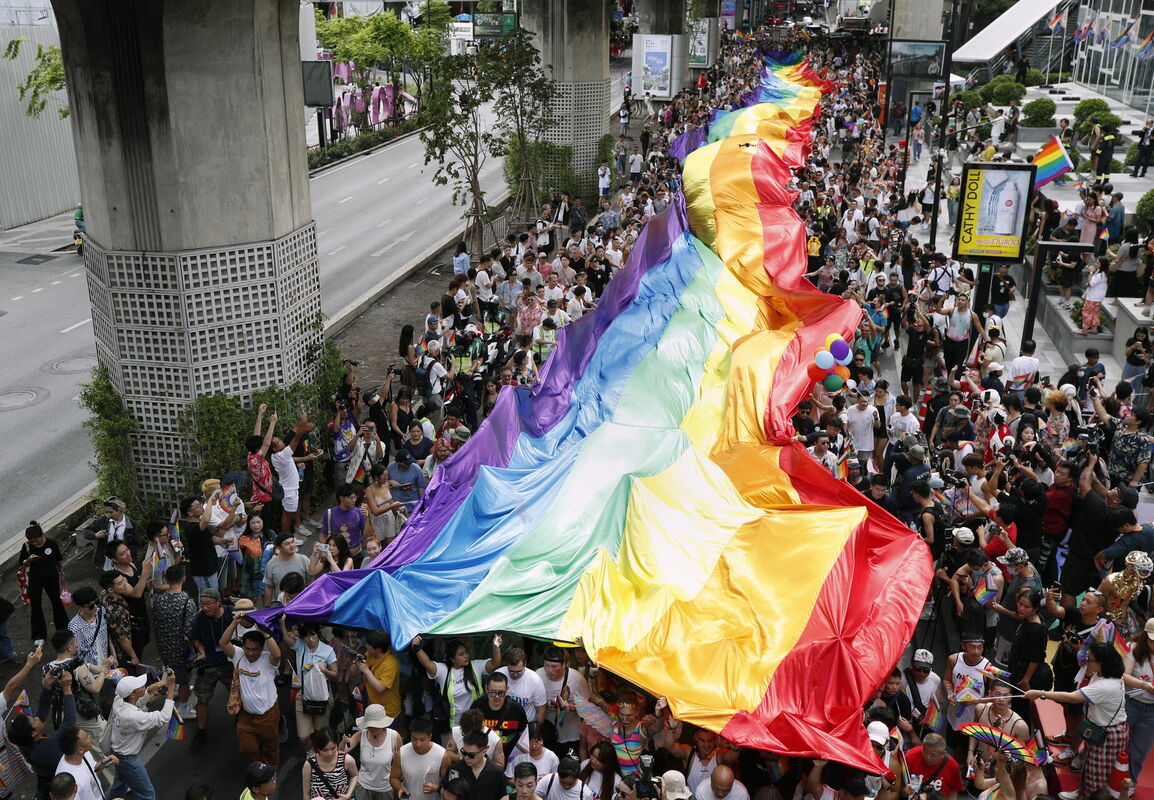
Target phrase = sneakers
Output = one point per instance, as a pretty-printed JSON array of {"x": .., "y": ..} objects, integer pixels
[
  {"x": 187, "y": 711},
  {"x": 198, "y": 741},
  {"x": 1061, "y": 738},
  {"x": 1065, "y": 757},
  {"x": 1076, "y": 763}
]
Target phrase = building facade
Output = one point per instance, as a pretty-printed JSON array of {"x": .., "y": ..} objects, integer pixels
[{"x": 1117, "y": 70}]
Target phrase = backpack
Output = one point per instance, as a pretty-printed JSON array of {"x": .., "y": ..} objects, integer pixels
[{"x": 424, "y": 380}]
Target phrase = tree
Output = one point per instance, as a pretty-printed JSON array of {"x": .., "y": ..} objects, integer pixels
[
  {"x": 43, "y": 82},
  {"x": 455, "y": 135},
  {"x": 524, "y": 109},
  {"x": 380, "y": 42}
]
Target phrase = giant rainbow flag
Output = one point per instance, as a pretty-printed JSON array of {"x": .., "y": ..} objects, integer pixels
[{"x": 645, "y": 496}]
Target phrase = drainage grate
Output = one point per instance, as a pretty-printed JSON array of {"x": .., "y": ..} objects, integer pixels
[{"x": 32, "y": 261}]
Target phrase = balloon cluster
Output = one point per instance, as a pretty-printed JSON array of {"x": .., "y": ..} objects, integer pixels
[{"x": 830, "y": 365}]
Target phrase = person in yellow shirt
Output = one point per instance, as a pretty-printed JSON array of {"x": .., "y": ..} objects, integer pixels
[{"x": 382, "y": 673}]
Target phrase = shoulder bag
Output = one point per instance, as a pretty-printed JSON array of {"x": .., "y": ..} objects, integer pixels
[{"x": 1094, "y": 733}]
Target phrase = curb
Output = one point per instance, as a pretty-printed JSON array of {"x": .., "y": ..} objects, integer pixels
[
  {"x": 320, "y": 170},
  {"x": 343, "y": 318}
]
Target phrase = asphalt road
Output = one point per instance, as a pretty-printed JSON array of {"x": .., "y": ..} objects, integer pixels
[{"x": 374, "y": 215}]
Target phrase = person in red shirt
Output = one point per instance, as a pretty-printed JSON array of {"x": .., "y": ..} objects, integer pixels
[
  {"x": 1056, "y": 518},
  {"x": 259, "y": 472},
  {"x": 931, "y": 768},
  {"x": 997, "y": 538}
]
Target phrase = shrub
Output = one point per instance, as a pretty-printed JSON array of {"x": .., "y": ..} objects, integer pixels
[
  {"x": 970, "y": 99},
  {"x": 987, "y": 90},
  {"x": 1034, "y": 77},
  {"x": 1039, "y": 113},
  {"x": 1008, "y": 91},
  {"x": 1132, "y": 155},
  {"x": 1144, "y": 211},
  {"x": 1090, "y": 108}
]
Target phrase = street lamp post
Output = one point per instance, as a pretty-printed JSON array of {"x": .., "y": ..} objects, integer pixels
[{"x": 945, "y": 112}]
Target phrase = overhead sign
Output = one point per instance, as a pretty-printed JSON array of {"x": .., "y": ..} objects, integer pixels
[
  {"x": 493, "y": 25},
  {"x": 992, "y": 214},
  {"x": 703, "y": 43}
]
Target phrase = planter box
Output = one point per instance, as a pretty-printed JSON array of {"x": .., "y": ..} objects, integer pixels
[{"x": 1037, "y": 135}]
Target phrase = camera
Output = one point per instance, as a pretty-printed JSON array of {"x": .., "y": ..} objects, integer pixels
[
  {"x": 359, "y": 657},
  {"x": 352, "y": 363},
  {"x": 60, "y": 667},
  {"x": 648, "y": 787}
]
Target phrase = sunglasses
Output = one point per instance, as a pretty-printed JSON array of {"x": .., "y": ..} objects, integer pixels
[
  {"x": 473, "y": 754},
  {"x": 498, "y": 694}
]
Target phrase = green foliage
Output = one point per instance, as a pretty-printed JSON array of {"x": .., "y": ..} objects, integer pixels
[
  {"x": 987, "y": 90},
  {"x": 555, "y": 170},
  {"x": 1115, "y": 165},
  {"x": 1132, "y": 155},
  {"x": 1076, "y": 313},
  {"x": 218, "y": 424},
  {"x": 343, "y": 148},
  {"x": 986, "y": 11},
  {"x": 970, "y": 99},
  {"x": 1144, "y": 211},
  {"x": 1007, "y": 91},
  {"x": 1089, "y": 108},
  {"x": 1034, "y": 77},
  {"x": 1039, "y": 113},
  {"x": 44, "y": 80},
  {"x": 109, "y": 426}
]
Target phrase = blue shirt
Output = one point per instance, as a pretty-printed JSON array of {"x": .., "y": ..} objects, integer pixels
[
  {"x": 411, "y": 479},
  {"x": 460, "y": 263}
]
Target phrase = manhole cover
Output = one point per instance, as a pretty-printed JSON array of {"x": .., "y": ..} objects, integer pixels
[
  {"x": 17, "y": 398},
  {"x": 34, "y": 260},
  {"x": 71, "y": 366}
]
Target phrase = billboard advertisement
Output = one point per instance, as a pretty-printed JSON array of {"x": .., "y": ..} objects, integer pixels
[
  {"x": 699, "y": 44},
  {"x": 993, "y": 211},
  {"x": 488, "y": 25},
  {"x": 909, "y": 59},
  {"x": 656, "y": 66}
]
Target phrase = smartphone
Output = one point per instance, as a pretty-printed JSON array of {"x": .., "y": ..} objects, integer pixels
[{"x": 323, "y": 548}]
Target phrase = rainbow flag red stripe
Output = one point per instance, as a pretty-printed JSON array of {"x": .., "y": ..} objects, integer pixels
[
  {"x": 984, "y": 592},
  {"x": 176, "y": 729},
  {"x": 933, "y": 716}
]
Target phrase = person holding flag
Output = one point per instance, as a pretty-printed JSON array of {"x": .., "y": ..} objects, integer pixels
[{"x": 965, "y": 682}]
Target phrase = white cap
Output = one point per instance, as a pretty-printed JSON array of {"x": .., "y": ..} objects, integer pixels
[
  {"x": 878, "y": 732},
  {"x": 923, "y": 657},
  {"x": 963, "y": 535},
  {"x": 994, "y": 366},
  {"x": 674, "y": 784},
  {"x": 127, "y": 685}
]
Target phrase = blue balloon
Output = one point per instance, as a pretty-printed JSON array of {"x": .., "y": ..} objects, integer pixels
[
  {"x": 845, "y": 361},
  {"x": 824, "y": 359}
]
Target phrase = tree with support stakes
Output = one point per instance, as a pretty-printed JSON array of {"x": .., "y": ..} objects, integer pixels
[{"x": 524, "y": 108}]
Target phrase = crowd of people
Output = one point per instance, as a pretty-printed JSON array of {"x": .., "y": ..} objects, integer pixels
[{"x": 1023, "y": 487}]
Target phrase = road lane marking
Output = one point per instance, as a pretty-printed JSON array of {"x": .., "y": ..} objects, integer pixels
[
  {"x": 77, "y": 325},
  {"x": 347, "y": 199},
  {"x": 74, "y": 275},
  {"x": 41, "y": 289},
  {"x": 55, "y": 283},
  {"x": 423, "y": 199},
  {"x": 17, "y": 297},
  {"x": 382, "y": 180},
  {"x": 339, "y": 249},
  {"x": 383, "y": 223},
  {"x": 380, "y": 252},
  {"x": 415, "y": 164}
]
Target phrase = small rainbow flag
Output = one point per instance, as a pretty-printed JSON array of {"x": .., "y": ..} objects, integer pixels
[
  {"x": 1053, "y": 162},
  {"x": 176, "y": 728},
  {"x": 968, "y": 688},
  {"x": 1124, "y": 37},
  {"x": 229, "y": 499},
  {"x": 1142, "y": 45},
  {"x": 984, "y": 593},
  {"x": 995, "y": 672},
  {"x": 933, "y": 717},
  {"x": 1104, "y": 235},
  {"x": 842, "y": 469},
  {"x": 1120, "y": 644},
  {"x": 173, "y": 527},
  {"x": 295, "y": 689},
  {"x": 23, "y": 704},
  {"x": 1057, "y": 21}
]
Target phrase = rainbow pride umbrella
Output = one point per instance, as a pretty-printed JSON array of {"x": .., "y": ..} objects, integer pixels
[
  {"x": 1000, "y": 740},
  {"x": 646, "y": 497}
]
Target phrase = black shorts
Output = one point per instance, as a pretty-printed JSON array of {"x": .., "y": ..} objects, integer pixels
[
  {"x": 911, "y": 370},
  {"x": 1067, "y": 278}
]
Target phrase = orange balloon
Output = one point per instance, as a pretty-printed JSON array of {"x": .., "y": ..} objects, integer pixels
[{"x": 842, "y": 371}]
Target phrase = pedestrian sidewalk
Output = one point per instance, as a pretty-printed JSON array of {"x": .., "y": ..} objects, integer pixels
[{"x": 44, "y": 236}]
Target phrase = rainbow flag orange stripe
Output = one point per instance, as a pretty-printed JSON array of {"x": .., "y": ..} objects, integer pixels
[{"x": 984, "y": 591}]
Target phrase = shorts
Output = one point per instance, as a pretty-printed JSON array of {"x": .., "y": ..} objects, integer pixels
[
  {"x": 1067, "y": 278},
  {"x": 290, "y": 501},
  {"x": 308, "y": 723},
  {"x": 208, "y": 678},
  {"x": 603, "y": 191},
  {"x": 912, "y": 370}
]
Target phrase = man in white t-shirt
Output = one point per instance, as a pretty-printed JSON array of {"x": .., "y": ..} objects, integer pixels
[
  {"x": 77, "y": 761},
  {"x": 565, "y": 784},
  {"x": 1023, "y": 369},
  {"x": 563, "y": 685},
  {"x": 722, "y": 785},
  {"x": 525, "y": 687},
  {"x": 903, "y": 422},
  {"x": 256, "y": 662},
  {"x": 287, "y": 476},
  {"x": 862, "y": 418}
]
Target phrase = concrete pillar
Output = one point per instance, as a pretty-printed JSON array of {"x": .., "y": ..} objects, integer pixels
[
  {"x": 661, "y": 16},
  {"x": 201, "y": 251},
  {"x": 573, "y": 37}
]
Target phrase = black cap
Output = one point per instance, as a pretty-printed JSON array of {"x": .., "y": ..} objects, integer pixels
[{"x": 258, "y": 774}]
